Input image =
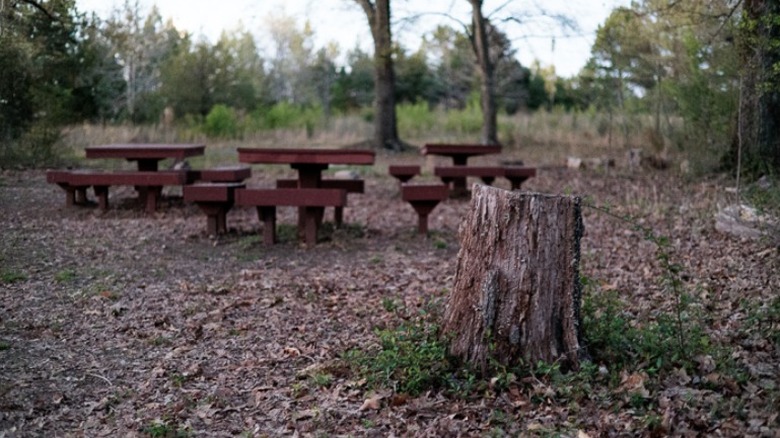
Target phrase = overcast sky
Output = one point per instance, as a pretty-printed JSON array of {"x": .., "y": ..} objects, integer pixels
[{"x": 343, "y": 22}]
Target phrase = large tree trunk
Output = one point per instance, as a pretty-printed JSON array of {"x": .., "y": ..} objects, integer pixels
[
  {"x": 385, "y": 125},
  {"x": 479, "y": 41},
  {"x": 759, "y": 124},
  {"x": 517, "y": 290}
]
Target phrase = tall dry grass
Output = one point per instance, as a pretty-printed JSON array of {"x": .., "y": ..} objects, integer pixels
[{"x": 543, "y": 138}]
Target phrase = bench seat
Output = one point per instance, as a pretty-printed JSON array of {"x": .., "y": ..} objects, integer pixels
[
  {"x": 149, "y": 184},
  {"x": 424, "y": 198},
  {"x": 215, "y": 200},
  {"x": 403, "y": 173},
  {"x": 457, "y": 175},
  {"x": 313, "y": 202},
  {"x": 73, "y": 195},
  {"x": 350, "y": 185},
  {"x": 220, "y": 174},
  {"x": 517, "y": 175}
]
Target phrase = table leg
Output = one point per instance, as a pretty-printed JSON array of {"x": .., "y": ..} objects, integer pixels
[
  {"x": 147, "y": 165},
  {"x": 101, "y": 193},
  {"x": 268, "y": 216}
]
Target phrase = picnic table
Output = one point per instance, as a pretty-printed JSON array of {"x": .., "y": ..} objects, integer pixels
[
  {"x": 460, "y": 153},
  {"x": 148, "y": 179},
  {"x": 147, "y": 155},
  {"x": 310, "y": 195}
]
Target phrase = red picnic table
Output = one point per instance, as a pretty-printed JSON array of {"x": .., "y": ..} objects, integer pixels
[
  {"x": 460, "y": 153},
  {"x": 309, "y": 163},
  {"x": 147, "y": 155}
]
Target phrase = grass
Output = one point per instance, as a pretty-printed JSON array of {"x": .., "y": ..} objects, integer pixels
[
  {"x": 8, "y": 276},
  {"x": 163, "y": 429}
]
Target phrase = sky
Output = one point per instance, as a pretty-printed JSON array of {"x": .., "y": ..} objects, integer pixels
[{"x": 343, "y": 22}]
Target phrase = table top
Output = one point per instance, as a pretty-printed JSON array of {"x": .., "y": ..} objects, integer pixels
[
  {"x": 145, "y": 151},
  {"x": 305, "y": 156},
  {"x": 459, "y": 149}
]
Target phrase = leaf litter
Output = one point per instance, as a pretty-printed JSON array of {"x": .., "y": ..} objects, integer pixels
[{"x": 123, "y": 322}]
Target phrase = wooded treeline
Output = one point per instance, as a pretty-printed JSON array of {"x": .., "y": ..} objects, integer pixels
[{"x": 706, "y": 71}]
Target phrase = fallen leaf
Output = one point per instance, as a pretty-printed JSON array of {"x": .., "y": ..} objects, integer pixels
[
  {"x": 373, "y": 403},
  {"x": 292, "y": 352}
]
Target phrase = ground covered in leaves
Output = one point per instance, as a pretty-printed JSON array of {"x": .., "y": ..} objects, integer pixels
[{"x": 125, "y": 324}]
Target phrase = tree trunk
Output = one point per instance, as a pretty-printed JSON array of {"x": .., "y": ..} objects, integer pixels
[
  {"x": 385, "y": 125},
  {"x": 479, "y": 41},
  {"x": 517, "y": 290},
  {"x": 760, "y": 124}
]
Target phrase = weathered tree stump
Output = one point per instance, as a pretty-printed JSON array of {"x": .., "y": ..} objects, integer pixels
[{"x": 517, "y": 290}]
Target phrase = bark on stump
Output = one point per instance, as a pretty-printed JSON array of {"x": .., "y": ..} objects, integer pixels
[{"x": 517, "y": 290}]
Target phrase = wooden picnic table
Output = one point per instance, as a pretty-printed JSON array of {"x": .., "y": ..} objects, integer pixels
[
  {"x": 309, "y": 163},
  {"x": 460, "y": 153},
  {"x": 147, "y": 155}
]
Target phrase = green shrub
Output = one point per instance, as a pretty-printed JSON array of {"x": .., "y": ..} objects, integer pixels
[
  {"x": 221, "y": 122},
  {"x": 410, "y": 358},
  {"x": 285, "y": 115},
  {"x": 414, "y": 119},
  {"x": 40, "y": 146}
]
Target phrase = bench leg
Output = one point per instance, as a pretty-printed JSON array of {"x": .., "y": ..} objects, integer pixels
[
  {"x": 423, "y": 209},
  {"x": 267, "y": 215},
  {"x": 338, "y": 216},
  {"x": 216, "y": 216},
  {"x": 459, "y": 186},
  {"x": 517, "y": 182},
  {"x": 80, "y": 197},
  {"x": 312, "y": 220},
  {"x": 152, "y": 194},
  {"x": 101, "y": 193},
  {"x": 70, "y": 195}
]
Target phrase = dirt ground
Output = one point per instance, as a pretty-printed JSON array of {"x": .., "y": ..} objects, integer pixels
[{"x": 119, "y": 323}]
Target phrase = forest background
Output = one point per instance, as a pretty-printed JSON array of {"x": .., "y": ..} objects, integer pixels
[{"x": 692, "y": 78}]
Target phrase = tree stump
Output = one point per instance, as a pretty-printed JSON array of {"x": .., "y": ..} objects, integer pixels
[{"x": 517, "y": 290}]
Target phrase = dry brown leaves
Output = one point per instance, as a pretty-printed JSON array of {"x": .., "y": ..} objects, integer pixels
[{"x": 124, "y": 322}]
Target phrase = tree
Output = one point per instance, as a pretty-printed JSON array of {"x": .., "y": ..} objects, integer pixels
[
  {"x": 479, "y": 40},
  {"x": 758, "y": 122},
  {"x": 453, "y": 65},
  {"x": 354, "y": 87},
  {"x": 141, "y": 46},
  {"x": 385, "y": 123}
]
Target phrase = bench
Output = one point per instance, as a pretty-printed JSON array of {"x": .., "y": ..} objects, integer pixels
[
  {"x": 220, "y": 174},
  {"x": 73, "y": 195},
  {"x": 457, "y": 175},
  {"x": 403, "y": 173},
  {"x": 424, "y": 198},
  {"x": 350, "y": 185},
  {"x": 517, "y": 175},
  {"x": 149, "y": 184},
  {"x": 313, "y": 201},
  {"x": 214, "y": 199}
]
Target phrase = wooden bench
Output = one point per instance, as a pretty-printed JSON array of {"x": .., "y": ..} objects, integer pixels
[
  {"x": 424, "y": 198},
  {"x": 350, "y": 185},
  {"x": 73, "y": 195},
  {"x": 403, "y": 173},
  {"x": 149, "y": 184},
  {"x": 214, "y": 199},
  {"x": 220, "y": 174},
  {"x": 456, "y": 176},
  {"x": 313, "y": 201},
  {"x": 517, "y": 175}
]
